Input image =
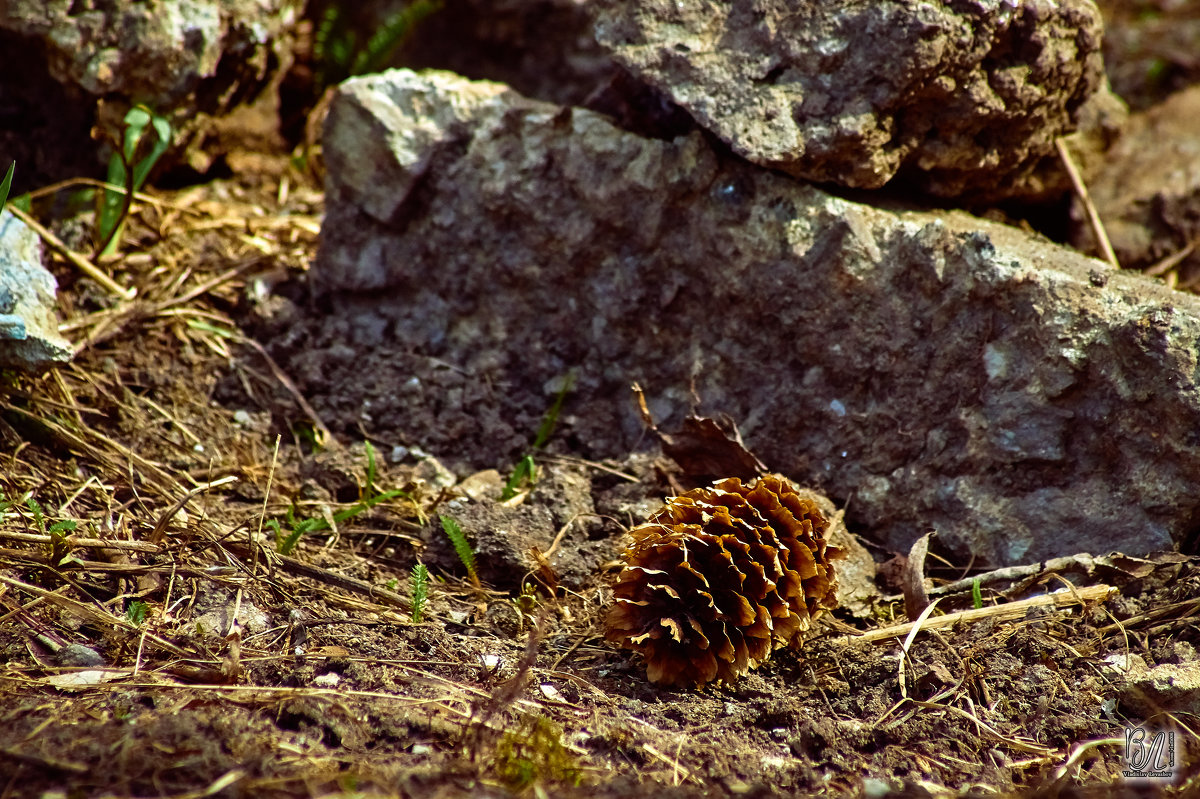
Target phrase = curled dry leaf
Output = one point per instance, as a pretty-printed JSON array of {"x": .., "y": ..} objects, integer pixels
[
  {"x": 722, "y": 576},
  {"x": 703, "y": 449}
]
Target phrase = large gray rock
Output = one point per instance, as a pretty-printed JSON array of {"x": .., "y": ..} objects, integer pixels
[
  {"x": 29, "y": 338},
  {"x": 932, "y": 370},
  {"x": 70, "y": 66},
  {"x": 968, "y": 95},
  {"x": 157, "y": 53}
]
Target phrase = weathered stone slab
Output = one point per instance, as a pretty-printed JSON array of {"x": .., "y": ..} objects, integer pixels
[
  {"x": 932, "y": 370},
  {"x": 969, "y": 96},
  {"x": 29, "y": 338}
]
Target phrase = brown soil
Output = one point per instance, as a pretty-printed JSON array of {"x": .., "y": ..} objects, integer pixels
[
  {"x": 325, "y": 685},
  {"x": 187, "y": 656}
]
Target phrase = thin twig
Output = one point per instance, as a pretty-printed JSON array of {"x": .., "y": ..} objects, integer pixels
[
  {"x": 1084, "y": 197},
  {"x": 1011, "y": 610},
  {"x": 79, "y": 542},
  {"x": 81, "y": 263},
  {"x": 1173, "y": 260},
  {"x": 266, "y": 497},
  {"x": 282, "y": 376},
  {"x": 302, "y": 569}
]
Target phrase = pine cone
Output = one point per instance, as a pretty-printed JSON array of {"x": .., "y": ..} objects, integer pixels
[{"x": 720, "y": 577}]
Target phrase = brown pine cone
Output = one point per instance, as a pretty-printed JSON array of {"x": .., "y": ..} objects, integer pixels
[{"x": 720, "y": 577}]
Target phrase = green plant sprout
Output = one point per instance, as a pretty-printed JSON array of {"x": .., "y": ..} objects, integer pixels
[
  {"x": 338, "y": 52},
  {"x": 976, "y": 594},
  {"x": 123, "y": 171},
  {"x": 298, "y": 528},
  {"x": 461, "y": 546},
  {"x": 60, "y": 548},
  {"x": 526, "y": 604},
  {"x": 533, "y": 753},
  {"x": 420, "y": 592},
  {"x": 6, "y": 184},
  {"x": 137, "y": 612},
  {"x": 525, "y": 472}
]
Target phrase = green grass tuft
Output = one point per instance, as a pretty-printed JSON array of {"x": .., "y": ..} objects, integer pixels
[
  {"x": 298, "y": 528},
  {"x": 525, "y": 472}
]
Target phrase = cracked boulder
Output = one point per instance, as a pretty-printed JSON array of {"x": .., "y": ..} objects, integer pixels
[
  {"x": 929, "y": 370},
  {"x": 967, "y": 98}
]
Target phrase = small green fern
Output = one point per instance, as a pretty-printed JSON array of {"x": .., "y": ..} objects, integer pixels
[
  {"x": 420, "y": 591},
  {"x": 461, "y": 546},
  {"x": 339, "y": 53}
]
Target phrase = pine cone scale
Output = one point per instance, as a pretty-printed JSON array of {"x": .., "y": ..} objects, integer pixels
[{"x": 721, "y": 576}]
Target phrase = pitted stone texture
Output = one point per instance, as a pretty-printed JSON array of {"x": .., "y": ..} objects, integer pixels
[
  {"x": 71, "y": 66},
  {"x": 968, "y": 96},
  {"x": 935, "y": 370},
  {"x": 155, "y": 53},
  {"x": 1147, "y": 188},
  {"x": 29, "y": 338}
]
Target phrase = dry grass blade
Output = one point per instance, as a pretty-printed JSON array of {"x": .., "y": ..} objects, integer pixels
[
  {"x": 1173, "y": 260},
  {"x": 912, "y": 634},
  {"x": 326, "y": 436},
  {"x": 78, "y": 542},
  {"x": 325, "y": 576},
  {"x": 1015, "y": 743},
  {"x": 160, "y": 528},
  {"x": 43, "y": 762},
  {"x": 87, "y": 612}
]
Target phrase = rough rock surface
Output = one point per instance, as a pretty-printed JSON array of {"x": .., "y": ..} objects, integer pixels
[
  {"x": 1147, "y": 190},
  {"x": 933, "y": 370},
  {"x": 969, "y": 96},
  {"x": 158, "y": 53},
  {"x": 179, "y": 57},
  {"x": 1170, "y": 687},
  {"x": 29, "y": 338}
]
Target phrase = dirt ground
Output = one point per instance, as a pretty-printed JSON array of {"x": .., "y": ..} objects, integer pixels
[
  {"x": 206, "y": 591},
  {"x": 185, "y": 656}
]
